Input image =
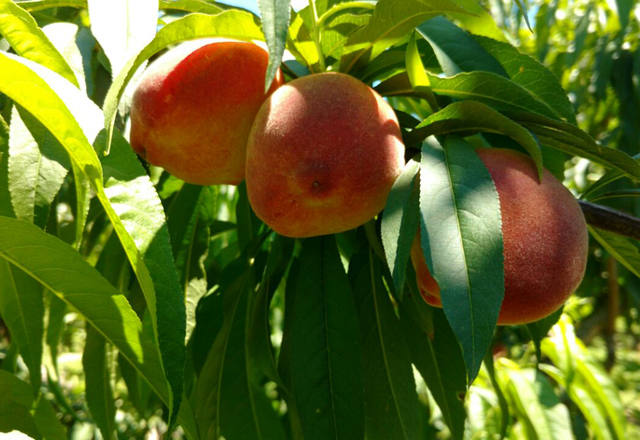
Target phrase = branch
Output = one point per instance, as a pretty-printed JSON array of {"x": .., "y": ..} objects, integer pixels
[{"x": 609, "y": 219}]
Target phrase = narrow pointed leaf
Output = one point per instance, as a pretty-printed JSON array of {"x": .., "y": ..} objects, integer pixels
[
  {"x": 38, "y": 166},
  {"x": 5, "y": 196},
  {"x": 570, "y": 139},
  {"x": 23, "y": 85},
  {"x": 436, "y": 354},
  {"x": 16, "y": 410},
  {"x": 275, "y": 24},
  {"x": 22, "y": 309},
  {"x": 138, "y": 207},
  {"x": 391, "y": 403},
  {"x": 623, "y": 249},
  {"x": 223, "y": 378},
  {"x": 400, "y": 223},
  {"x": 98, "y": 383},
  {"x": 456, "y": 49},
  {"x": 391, "y": 21},
  {"x": 471, "y": 116},
  {"x": 461, "y": 238},
  {"x": 324, "y": 361},
  {"x": 530, "y": 74},
  {"x": 537, "y": 404},
  {"x": 27, "y": 39},
  {"x": 50, "y": 261},
  {"x": 122, "y": 27}
]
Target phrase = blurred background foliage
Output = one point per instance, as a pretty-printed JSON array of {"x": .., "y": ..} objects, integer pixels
[{"x": 584, "y": 382}]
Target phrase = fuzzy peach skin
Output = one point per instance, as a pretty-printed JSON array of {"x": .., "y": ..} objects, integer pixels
[
  {"x": 545, "y": 240},
  {"x": 322, "y": 156},
  {"x": 192, "y": 115}
]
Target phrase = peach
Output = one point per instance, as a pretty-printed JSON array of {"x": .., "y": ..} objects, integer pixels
[
  {"x": 545, "y": 240},
  {"x": 322, "y": 155},
  {"x": 192, "y": 115}
]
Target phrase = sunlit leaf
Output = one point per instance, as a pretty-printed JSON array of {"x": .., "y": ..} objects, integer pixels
[{"x": 461, "y": 239}]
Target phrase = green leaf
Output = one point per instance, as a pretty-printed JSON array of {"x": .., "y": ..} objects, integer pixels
[
  {"x": 456, "y": 49},
  {"x": 231, "y": 24},
  {"x": 55, "y": 324},
  {"x": 47, "y": 421},
  {"x": 6, "y": 208},
  {"x": 98, "y": 383},
  {"x": 436, "y": 354},
  {"x": 339, "y": 23},
  {"x": 324, "y": 362},
  {"x": 473, "y": 116},
  {"x": 191, "y": 6},
  {"x": 38, "y": 5},
  {"x": 50, "y": 261},
  {"x": 570, "y": 139},
  {"x": 261, "y": 360},
  {"x": 392, "y": 410},
  {"x": 138, "y": 207},
  {"x": 623, "y": 249},
  {"x": 224, "y": 377},
  {"x": 478, "y": 20},
  {"x": 275, "y": 24},
  {"x": 38, "y": 166},
  {"x": 400, "y": 223},
  {"x": 63, "y": 36},
  {"x": 537, "y": 404},
  {"x": 123, "y": 28},
  {"x": 531, "y": 75},
  {"x": 21, "y": 308},
  {"x": 492, "y": 89},
  {"x": 27, "y": 39},
  {"x": 497, "y": 388},
  {"x": 391, "y": 21},
  {"x": 19, "y": 412},
  {"x": 461, "y": 239},
  {"x": 538, "y": 330}
]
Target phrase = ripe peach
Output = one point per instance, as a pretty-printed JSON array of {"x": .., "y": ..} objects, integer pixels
[
  {"x": 545, "y": 240},
  {"x": 192, "y": 115},
  {"x": 322, "y": 155}
]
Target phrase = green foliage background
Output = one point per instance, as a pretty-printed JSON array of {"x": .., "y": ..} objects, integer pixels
[{"x": 134, "y": 304}]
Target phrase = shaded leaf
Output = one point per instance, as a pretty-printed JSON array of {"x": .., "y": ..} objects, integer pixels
[
  {"x": 570, "y": 139},
  {"x": 400, "y": 223},
  {"x": 436, "y": 354},
  {"x": 472, "y": 116},
  {"x": 456, "y": 49},
  {"x": 391, "y": 403},
  {"x": 275, "y": 24},
  {"x": 22, "y": 309},
  {"x": 391, "y": 21},
  {"x": 324, "y": 362},
  {"x": 98, "y": 383}
]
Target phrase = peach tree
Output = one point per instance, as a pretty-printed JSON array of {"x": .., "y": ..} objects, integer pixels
[{"x": 186, "y": 314}]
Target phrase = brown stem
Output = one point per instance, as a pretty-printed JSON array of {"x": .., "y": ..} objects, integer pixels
[{"x": 609, "y": 219}]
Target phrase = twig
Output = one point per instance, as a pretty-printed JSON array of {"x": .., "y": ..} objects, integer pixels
[{"x": 609, "y": 219}]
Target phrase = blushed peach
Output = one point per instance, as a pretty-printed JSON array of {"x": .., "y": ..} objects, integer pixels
[
  {"x": 323, "y": 153},
  {"x": 545, "y": 240},
  {"x": 192, "y": 115}
]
